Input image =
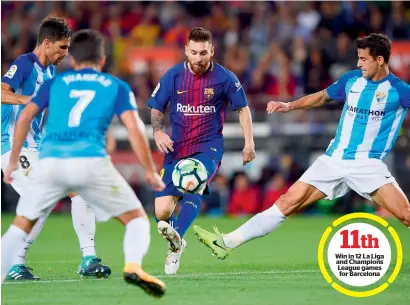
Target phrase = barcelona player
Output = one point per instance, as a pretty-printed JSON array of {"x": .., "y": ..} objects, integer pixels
[{"x": 198, "y": 92}]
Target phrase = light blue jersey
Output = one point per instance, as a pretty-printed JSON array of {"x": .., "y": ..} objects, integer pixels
[
  {"x": 372, "y": 115},
  {"x": 81, "y": 105},
  {"x": 25, "y": 76}
]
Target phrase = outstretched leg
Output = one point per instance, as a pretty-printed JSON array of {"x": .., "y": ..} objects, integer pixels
[
  {"x": 299, "y": 195},
  {"x": 391, "y": 197}
]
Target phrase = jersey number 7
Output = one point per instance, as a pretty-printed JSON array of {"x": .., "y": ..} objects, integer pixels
[{"x": 84, "y": 97}]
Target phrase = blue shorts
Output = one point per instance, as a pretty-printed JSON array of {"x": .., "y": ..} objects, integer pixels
[{"x": 210, "y": 164}]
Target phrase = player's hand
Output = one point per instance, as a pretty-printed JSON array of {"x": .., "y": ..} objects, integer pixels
[
  {"x": 277, "y": 107},
  {"x": 248, "y": 154},
  {"x": 155, "y": 181},
  {"x": 163, "y": 141},
  {"x": 9, "y": 173},
  {"x": 25, "y": 99}
]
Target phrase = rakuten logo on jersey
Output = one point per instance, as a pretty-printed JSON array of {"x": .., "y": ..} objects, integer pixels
[{"x": 195, "y": 110}]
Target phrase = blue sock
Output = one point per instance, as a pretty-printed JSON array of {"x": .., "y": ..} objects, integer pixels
[
  {"x": 191, "y": 205},
  {"x": 171, "y": 220}
]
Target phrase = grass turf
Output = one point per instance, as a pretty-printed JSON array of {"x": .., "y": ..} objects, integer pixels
[{"x": 280, "y": 268}]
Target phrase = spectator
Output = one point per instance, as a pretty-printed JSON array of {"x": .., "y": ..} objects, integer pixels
[
  {"x": 244, "y": 198},
  {"x": 276, "y": 188}
]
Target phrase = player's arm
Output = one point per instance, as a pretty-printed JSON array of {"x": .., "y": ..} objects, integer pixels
[
  {"x": 111, "y": 145},
  {"x": 126, "y": 109},
  {"x": 12, "y": 80},
  {"x": 404, "y": 94},
  {"x": 245, "y": 120},
  {"x": 38, "y": 103},
  {"x": 8, "y": 97},
  {"x": 20, "y": 134},
  {"x": 22, "y": 128},
  {"x": 158, "y": 102},
  {"x": 314, "y": 100},
  {"x": 335, "y": 92},
  {"x": 237, "y": 98},
  {"x": 162, "y": 139},
  {"x": 138, "y": 140}
]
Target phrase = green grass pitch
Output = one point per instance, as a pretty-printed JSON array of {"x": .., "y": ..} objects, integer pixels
[{"x": 278, "y": 269}]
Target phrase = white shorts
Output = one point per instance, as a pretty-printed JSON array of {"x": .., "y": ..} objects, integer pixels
[
  {"x": 335, "y": 177},
  {"x": 96, "y": 180},
  {"x": 27, "y": 162}
]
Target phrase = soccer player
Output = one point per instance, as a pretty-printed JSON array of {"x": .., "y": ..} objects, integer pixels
[
  {"x": 22, "y": 80},
  {"x": 375, "y": 105},
  {"x": 73, "y": 157},
  {"x": 198, "y": 91}
]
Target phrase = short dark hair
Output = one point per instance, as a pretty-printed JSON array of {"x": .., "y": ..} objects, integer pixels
[
  {"x": 87, "y": 46},
  {"x": 199, "y": 35},
  {"x": 53, "y": 28},
  {"x": 378, "y": 45}
]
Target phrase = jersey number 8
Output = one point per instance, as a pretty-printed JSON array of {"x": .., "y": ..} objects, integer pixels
[{"x": 24, "y": 162}]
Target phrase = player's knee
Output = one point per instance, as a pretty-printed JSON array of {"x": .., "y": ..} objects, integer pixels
[
  {"x": 130, "y": 215},
  {"x": 404, "y": 217},
  {"x": 289, "y": 203},
  {"x": 24, "y": 223},
  {"x": 164, "y": 206}
]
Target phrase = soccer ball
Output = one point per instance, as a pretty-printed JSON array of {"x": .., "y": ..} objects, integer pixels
[{"x": 190, "y": 176}]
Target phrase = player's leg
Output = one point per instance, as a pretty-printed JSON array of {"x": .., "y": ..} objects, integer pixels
[
  {"x": 39, "y": 198},
  {"x": 165, "y": 202},
  {"x": 190, "y": 208},
  {"x": 322, "y": 180},
  {"x": 84, "y": 225},
  {"x": 191, "y": 203},
  {"x": 28, "y": 161},
  {"x": 391, "y": 197},
  {"x": 373, "y": 180},
  {"x": 109, "y": 195},
  {"x": 300, "y": 194},
  {"x": 136, "y": 244}
]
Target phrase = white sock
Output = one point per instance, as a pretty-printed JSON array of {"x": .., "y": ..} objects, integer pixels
[
  {"x": 11, "y": 242},
  {"x": 84, "y": 225},
  {"x": 258, "y": 226},
  {"x": 136, "y": 240},
  {"x": 20, "y": 259}
]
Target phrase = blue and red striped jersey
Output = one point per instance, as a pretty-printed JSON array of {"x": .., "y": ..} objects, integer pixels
[{"x": 198, "y": 105}]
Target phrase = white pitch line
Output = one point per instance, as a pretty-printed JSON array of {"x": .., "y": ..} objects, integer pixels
[{"x": 187, "y": 275}]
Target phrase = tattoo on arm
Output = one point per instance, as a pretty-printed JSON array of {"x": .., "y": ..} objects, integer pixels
[
  {"x": 326, "y": 96},
  {"x": 157, "y": 119}
]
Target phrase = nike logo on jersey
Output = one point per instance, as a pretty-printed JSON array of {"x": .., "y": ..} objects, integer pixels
[
  {"x": 351, "y": 91},
  {"x": 181, "y": 92}
]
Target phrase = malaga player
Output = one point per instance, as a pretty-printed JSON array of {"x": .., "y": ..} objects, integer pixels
[
  {"x": 73, "y": 157},
  {"x": 375, "y": 105},
  {"x": 198, "y": 91},
  {"x": 27, "y": 73}
]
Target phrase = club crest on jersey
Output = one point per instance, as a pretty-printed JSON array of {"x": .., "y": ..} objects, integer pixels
[
  {"x": 380, "y": 96},
  {"x": 10, "y": 73},
  {"x": 209, "y": 93}
]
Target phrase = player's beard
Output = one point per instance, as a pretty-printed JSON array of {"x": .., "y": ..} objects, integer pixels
[{"x": 198, "y": 68}]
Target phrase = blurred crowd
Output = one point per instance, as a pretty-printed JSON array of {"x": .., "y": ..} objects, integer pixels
[{"x": 280, "y": 49}]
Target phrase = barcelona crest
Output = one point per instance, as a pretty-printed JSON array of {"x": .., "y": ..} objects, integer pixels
[{"x": 209, "y": 93}]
